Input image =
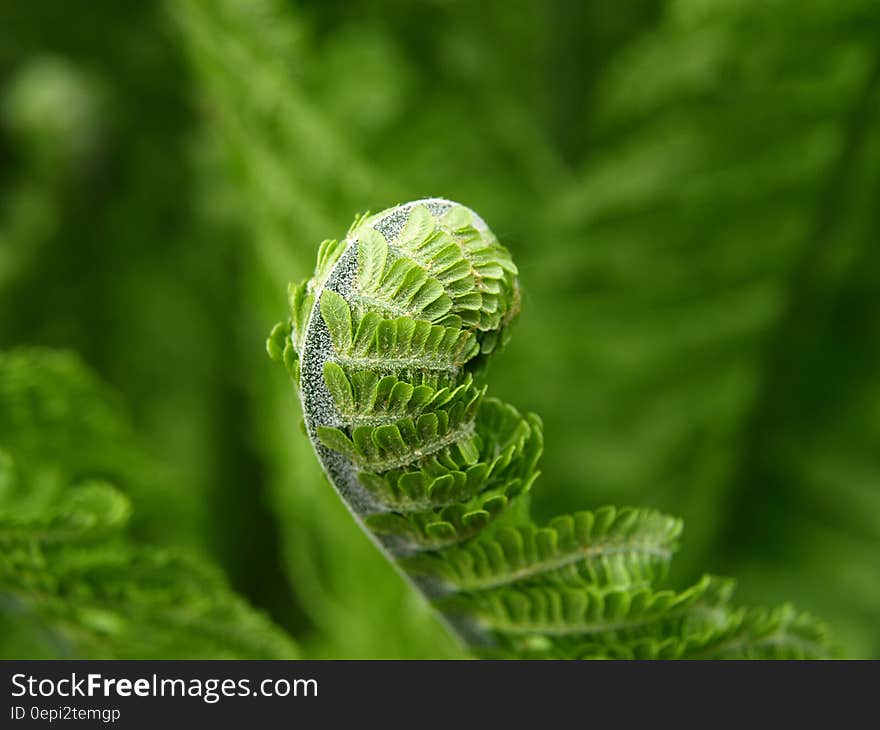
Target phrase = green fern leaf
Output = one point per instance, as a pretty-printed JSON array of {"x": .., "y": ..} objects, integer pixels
[
  {"x": 624, "y": 547},
  {"x": 439, "y": 474},
  {"x": 69, "y": 573}
]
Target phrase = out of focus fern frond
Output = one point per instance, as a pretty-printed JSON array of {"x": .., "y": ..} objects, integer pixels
[{"x": 70, "y": 578}]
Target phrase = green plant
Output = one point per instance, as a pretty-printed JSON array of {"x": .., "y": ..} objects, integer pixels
[
  {"x": 73, "y": 582},
  {"x": 388, "y": 344}
]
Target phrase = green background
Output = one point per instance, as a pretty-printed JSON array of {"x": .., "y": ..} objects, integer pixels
[{"x": 690, "y": 190}]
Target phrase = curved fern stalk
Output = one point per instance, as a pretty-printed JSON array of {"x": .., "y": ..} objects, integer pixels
[{"x": 386, "y": 344}]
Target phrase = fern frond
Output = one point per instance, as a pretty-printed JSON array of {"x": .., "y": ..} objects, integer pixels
[
  {"x": 558, "y": 611},
  {"x": 55, "y": 416},
  {"x": 609, "y": 547},
  {"x": 116, "y": 601},
  {"x": 69, "y": 573},
  {"x": 86, "y": 513},
  {"x": 398, "y": 329},
  {"x": 780, "y": 633},
  {"x": 365, "y": 397}
]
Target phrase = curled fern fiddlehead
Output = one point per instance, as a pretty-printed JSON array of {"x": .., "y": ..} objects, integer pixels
[{"x": 386, "y": 344}]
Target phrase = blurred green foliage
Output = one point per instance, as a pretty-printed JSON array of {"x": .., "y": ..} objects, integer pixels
[{"x": 688, "y": 188}]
